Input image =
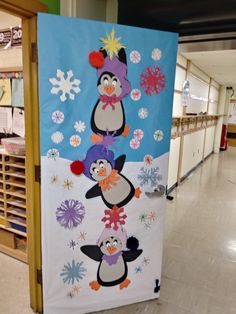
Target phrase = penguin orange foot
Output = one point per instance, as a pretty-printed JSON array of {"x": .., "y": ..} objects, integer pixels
[
  {"x": 126, "y": 131},
  {"x": 94, "y": 285},
  {"x": 125, "y": 283},
  {"x": 95, "y": 138},
  {"x": 137, "y": 192}
]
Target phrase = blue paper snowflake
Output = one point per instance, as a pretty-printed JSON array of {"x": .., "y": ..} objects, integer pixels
[
  {"x": 70, "y": 214},
  {"x": 149, "y": 176},
  {"x": 73, "y": 272},
  {"x": 138, "y": 269},
  {"x": 142, "y": 217}
]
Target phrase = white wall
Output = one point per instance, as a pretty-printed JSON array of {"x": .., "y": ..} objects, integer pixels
[
  {"x": 100, "y": 10},
  {"x": 11, "y": 57},
  {"x": 198, "y": 144},
  {"x": 173, "y": 161}
]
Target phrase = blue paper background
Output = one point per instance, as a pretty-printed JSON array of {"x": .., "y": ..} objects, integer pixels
[{"x": 65, "y": 43}]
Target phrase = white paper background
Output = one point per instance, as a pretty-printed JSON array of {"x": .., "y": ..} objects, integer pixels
[{"x": 56, "y": 252}]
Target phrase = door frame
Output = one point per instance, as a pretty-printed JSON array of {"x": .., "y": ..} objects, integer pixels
[{"x": 27, "y": 11}]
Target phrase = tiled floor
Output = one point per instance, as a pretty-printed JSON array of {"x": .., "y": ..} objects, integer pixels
[{"x": 199, "y": 264}]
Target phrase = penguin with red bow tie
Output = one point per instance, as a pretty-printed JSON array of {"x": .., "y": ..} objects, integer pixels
[{"x": 108, "y": 115}]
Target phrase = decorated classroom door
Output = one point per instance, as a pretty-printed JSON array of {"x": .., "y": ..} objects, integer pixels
[{"x": 106, "y": 95}]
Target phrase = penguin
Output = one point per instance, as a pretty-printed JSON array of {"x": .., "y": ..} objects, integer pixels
[
  {"x": 108, "y": 114},
  {"x": 113, "y": 187},
  {"x": 112, "y": 256}
]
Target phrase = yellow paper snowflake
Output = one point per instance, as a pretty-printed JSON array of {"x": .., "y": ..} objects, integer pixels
[
  {"x": 111, "y": 44},
  {"x": 54, "y": 179},
  {"x": 68, "y": 184},
  {"x": 76, "y": 289}
]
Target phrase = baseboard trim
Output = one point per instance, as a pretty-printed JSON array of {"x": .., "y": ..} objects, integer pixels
[{"x": 169, "y": 190}]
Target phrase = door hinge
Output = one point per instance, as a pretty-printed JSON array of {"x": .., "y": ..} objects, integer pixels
[
  {"x": 34, "y": 53},
  {"x": 39, "y": 276},
  {"x": 37, "y": 173}
]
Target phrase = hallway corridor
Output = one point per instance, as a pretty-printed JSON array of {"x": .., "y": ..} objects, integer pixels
[{"x": 199, "y": 263}]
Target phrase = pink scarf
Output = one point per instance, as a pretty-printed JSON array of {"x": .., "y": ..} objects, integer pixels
[{"x": 109, "y": 101}]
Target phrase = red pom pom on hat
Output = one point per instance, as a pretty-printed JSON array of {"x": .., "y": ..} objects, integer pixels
[
  {"x": 96, "y": 59},
  {"x": 77, "y": 167}
]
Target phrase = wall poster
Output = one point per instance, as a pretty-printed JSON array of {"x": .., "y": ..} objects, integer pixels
[{"x": 106, "y": 95}]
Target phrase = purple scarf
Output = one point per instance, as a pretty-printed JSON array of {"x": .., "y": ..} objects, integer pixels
[
  {"x": 109, "y": 101},
  {"x": 111, "y": 259}
]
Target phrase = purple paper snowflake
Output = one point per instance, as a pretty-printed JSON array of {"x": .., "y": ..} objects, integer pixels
[
  {"x": 70, "y": 214},
  {"x": 72, "y": 244}
]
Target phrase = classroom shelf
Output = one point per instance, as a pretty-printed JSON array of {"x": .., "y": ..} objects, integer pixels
[{"x": 13, "y": 209}]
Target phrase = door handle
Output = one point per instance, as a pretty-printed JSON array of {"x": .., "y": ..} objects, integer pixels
[{"x": 157, "y": 192}]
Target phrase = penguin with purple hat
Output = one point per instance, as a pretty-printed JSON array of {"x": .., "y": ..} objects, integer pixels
[
  {"x": 100, "y": 166},
  {"x": 113, "y": 251},
  {"x": 108, "y": 113}
]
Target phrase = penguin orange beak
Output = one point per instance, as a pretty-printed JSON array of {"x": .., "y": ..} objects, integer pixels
[
  {"x": 109, "y": 89},
  {"x": 111, "y": 249},
  {"x": 102, "y": 172}
]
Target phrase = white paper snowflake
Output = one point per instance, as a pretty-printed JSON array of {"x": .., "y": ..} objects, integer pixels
[
  {"x": 57, "y": 137},
  {"x": 53, "y": 153},
  {"x": 65, "y": 85},
  {"x": 138, "y": 134},
  {"x": 143, "y": 113},
  {"x": 135, "y": 56},
  {"x": 58, "y": 117},
  {"x": 148, "y": 160},
  {"x": 134, "y": 143},
  {"x": 135, "y": 94},
  {"x": 79, "y": 126},
  {"x": 158, "y": 135},
  {"x": 75, "y": 140},
  {"x": 156, "y": 54}
]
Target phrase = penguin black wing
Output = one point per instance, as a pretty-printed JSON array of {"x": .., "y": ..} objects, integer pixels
[
  {"x": 119, "y": 163},
  {"x": 130, "y": 256},
  {"x": 92, "y": 251},
  {"x": 93, "y": 192}
]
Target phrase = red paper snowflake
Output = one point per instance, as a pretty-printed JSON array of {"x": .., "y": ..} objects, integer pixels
[
  {"x": 114, "y": 217},
  {"x": 152, "y": 80}
]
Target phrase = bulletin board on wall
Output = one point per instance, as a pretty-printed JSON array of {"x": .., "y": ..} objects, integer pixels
[
  {"x": 11, "y": 104},
  {"x": 11, "y": 82}
]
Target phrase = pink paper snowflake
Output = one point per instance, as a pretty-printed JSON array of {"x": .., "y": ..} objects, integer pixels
[
  {"x": 75, "y": 140},
  {"x": 143, "y": 113},
  {"x": 148, "y": 159},
  {"x": 138, "y": 134},
  {"x": 58, "y": 117},
  {"x": 114, "y": 217},
  {"x": 135, "y": 94},
  {"x": 135, "y": 56},
  {"x": 152, "y": 80},
  {"x": 134, "y": 143}
]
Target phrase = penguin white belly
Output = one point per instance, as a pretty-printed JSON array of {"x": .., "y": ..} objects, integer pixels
[
  {"x": 109, "y": 273},
  {"x": 118, "y": 192},
  {"x": 108, "y": 119}
]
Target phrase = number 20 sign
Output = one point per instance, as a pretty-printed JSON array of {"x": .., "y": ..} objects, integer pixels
[{"x": 16, "y": 39}]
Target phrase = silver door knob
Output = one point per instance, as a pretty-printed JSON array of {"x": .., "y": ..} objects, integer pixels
[{"x": 157, "y": 192}]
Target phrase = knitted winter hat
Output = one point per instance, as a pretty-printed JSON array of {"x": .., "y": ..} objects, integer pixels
[
  {"x": 110, "y": 232},
  {"x": 94, "y": 153},
  {"x": 119, "y": 69}
]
